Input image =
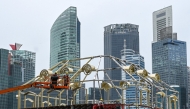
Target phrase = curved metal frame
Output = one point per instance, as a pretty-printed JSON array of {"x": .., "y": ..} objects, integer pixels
[{"x": 147, "y": 81}]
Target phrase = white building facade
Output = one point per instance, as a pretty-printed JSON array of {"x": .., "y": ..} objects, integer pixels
[{"x": 161, "y": 19}]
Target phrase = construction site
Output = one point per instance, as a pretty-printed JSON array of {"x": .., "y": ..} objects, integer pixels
[{"x": 150, "y": 91}]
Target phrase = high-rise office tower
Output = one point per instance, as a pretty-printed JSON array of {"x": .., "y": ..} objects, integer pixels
[
  {"x": 114, "y": 35},
  {"x": 26, "y": 59},
  {"x": 4, "y": 78},
  {"x": 130, "y": 56},
  {"x": 22, "y": 69},
  {"x": 161, "y": 19},
  {"x": 188, "y": 71},
  {"x": 169, "y": 59},
  {"x": 65, "y": 39},
  {"x": 17, "y": 66}
]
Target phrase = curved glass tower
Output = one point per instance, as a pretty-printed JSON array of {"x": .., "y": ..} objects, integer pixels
[
  {"x": 65, "y": 37},
  {"x": 65, "y": 40}
]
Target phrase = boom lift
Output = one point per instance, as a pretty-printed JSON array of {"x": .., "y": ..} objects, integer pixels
[{"x": 44, "y": 80}]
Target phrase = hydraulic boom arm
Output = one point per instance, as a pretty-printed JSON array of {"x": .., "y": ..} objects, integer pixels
[{"x": 15, "y": 88}]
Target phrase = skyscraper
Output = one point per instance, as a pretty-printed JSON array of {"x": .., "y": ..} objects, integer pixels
[
  {"x": 16, "y": 66},
  {"x": 161, "y": 19},
  {"x": 188, "y": 71},
  {"x": 114, "y": 35},
  {"x": 27, "y": 60},
  {"x": 22, "y": 69},
  {"x": 169, "y": 60},
  {"x": 130, "y": 56},
  {"x": 4, "y": 78},
  {"x": 65, "y": 39},
  {"x": 169, "y": 56}
]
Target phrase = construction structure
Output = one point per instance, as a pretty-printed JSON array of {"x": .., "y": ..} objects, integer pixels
[{"x": 147, "y": 83}]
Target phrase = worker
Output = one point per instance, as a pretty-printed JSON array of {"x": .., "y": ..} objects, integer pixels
[
  {"x": 54, "y": 79},
  {"x": 64, "y": 79},
  {"x": 67, "y": 79}
]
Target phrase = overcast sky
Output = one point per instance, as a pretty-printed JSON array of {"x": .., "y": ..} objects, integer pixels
[{"x": 29, "y": 22}]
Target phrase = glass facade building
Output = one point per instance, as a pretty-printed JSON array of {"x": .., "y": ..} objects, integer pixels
[
  {"x": 188, "y": 71},
  {"x": 16, "y": 66},
  {"x": 65, "y": 40},
  {"x": 169, "y": 60},
  {"x": 114, "y": 36},
  {"x": 130, "y": 56},
  {"x": 22, "y": 69},
  {"x": 4, "y": 78},
  {"x": 27, "y": 60}
]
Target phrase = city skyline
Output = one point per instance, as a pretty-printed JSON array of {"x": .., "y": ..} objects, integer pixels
[{"x": 35, "y": 19}]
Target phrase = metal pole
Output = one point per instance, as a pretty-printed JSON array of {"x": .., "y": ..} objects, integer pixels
[
  {"x": 19, "y": 99},
  {"x": 152, "y": 99},
  {"x": 108, "y": 96},
  {"x": 178, "y": 101},
  {"x": 48, "y": 99},
  {"x": 42, "y": 96},
  {"x": 33, "y": 104},
  {"x": 56, "y": 101},
  {"x": 122, "y": 97},
  {"x": 166, "y": 100},
  {"x": 169, "y": 102},
  {"x": 136, "y": 96},
  {"x": 140, "y": 97},
  {"x": 67, "y": 97},
  {"x": 24, "y": 101},
  {"x": 60, "y": 99},
  {"x": 38, "y": 100},
  {"x": 156, "y": 102},
  {"x": 94, "y": 91},
  {"x": 35, "y": 101},
  {"x": 43, "y": 104},
  {"x": 73, "y": 102}
]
